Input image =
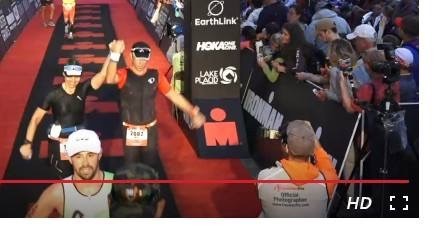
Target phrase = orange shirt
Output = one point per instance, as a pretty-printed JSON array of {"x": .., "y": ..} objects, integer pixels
[{"x": 306, "y": 171}]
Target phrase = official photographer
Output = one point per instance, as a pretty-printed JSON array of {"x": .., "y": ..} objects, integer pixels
[{"x": 305, "y": 159}]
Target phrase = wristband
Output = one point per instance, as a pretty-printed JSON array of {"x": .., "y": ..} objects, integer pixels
[
  {"x": 26, "y": 141},
  {"x": 114, "y": 56}
]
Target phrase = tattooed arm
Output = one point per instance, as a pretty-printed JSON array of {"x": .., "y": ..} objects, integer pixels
[{"x": 52, "y": 199}]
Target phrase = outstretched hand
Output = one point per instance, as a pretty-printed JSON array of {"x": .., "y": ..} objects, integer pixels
[
  {"x": 117, "y": 46},
  {"x": 198, "y": 118}
]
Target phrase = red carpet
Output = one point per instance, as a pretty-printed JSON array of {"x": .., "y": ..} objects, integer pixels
[{"x": 178, "y": 157}]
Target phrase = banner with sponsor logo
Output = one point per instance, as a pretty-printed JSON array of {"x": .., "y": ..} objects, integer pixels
[
  {"x": 30, "y": 7},
  {"x": 13, "y": 17},
  {"x": 223, "y": 134},
  {"x": 212, "y": 70},
  {"x": 212, "y": 48},
  {"x": 4, "y": 33}
]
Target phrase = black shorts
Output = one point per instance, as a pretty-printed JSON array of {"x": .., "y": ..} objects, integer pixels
[{"x": 46, "y": 2}]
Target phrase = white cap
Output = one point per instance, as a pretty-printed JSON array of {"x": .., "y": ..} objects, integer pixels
[
  {"x": 405, "y": 56},
  {"x": 83, "y": 140},
  {"x": 363, "y": 31}
]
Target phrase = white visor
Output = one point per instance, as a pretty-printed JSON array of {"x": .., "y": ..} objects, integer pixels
[{"x": 73, "y": 70}]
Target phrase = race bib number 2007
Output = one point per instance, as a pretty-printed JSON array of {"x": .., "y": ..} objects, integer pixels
[{"x": 137, "y": 136}]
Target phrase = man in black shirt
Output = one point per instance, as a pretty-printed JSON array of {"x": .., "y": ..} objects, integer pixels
[
  {"x": 67, "y": 104},
  {"x": 139, "y": 85},
  {"x": 273, "y": 11}
]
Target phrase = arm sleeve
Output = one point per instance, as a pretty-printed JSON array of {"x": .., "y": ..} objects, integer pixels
[
  {"x": 123, "y": 74},
  {"x": 85, "y": 88},
  {"x": 324, "y": 164},
  {"x": 334, "y": 89},
  {"x": 47, "y": 103},
  {"x": 364, "y": 93},
  {"x": 163, "y": 84},
  {"x": 261, "y": 22},
  {"x": 315, "y": 78},
  {"x": 271, "y": 74}
]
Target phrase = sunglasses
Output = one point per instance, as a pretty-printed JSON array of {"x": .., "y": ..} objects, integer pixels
[
  {"x": 73, "y": 70},
  {"x": 141, "y": 52}
]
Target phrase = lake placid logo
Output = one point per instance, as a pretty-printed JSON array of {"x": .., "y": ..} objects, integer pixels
[
  {"x": 225, "y": 75},
  {"x": 228, "y": 75}
]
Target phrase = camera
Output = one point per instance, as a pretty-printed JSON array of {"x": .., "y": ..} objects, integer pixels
[
  {"x": 347, "y": 70},
  {"x": 173, "y": 30},
  {"x": 389, "y": 68}
]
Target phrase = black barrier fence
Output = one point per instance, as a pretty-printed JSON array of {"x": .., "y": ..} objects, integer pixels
[
  {"x": 14, "y": 15},
  {"x": 270, "y": 105}
]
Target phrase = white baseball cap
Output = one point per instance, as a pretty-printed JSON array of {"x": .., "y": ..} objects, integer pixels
[
  {"x": 405, "y": 56},
  {"x": 363, "y": 31},
  {"x": 83, "y": 140}
]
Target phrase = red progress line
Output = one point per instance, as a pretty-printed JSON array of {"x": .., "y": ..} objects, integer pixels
[{"x": 371, "y": 181}]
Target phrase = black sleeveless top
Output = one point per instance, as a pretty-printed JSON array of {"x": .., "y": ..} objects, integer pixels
[{"x": 137, "y": 97}]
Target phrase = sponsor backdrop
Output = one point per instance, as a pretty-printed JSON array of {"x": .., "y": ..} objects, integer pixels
[
  {"x": 212, "y": 69},
  {"x": 213, "y": 49},
  {"x": 224, "y": 133},
  {"x": 13, "y": 17}
]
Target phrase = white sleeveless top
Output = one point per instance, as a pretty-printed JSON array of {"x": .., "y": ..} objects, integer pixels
[
  {"x": 77, "y": 205},
  {"x": 287, "y": 200}
]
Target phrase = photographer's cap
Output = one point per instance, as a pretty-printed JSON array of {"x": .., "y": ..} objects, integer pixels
[
  {"x": 83, "y": 140},
  {"x": 363, "y": 31},
  {"x": 404, "y": 56},
  {"x": 300, "y": 138}
]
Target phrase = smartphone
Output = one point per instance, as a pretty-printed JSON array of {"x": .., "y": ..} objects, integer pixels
[{"x": 259, "y": 48}]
